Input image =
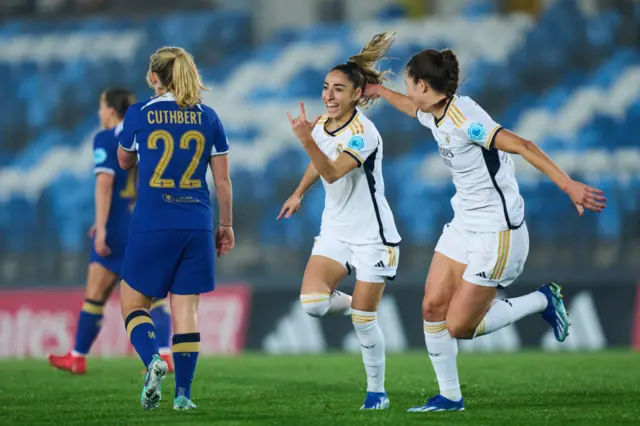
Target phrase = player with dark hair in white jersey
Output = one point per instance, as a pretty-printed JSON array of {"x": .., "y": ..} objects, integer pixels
[
  {"x": 485, "y": 246},
  {"x": 358, "y": 230}
]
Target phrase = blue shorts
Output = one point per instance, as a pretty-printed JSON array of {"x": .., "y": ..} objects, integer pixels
[
  {"x": 113, "y": 262},
  {"x": 170, "y": 261}
]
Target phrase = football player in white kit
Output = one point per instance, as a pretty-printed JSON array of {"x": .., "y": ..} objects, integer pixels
[
  {"x": 358, "y": 231},
  {"x": 485, "y": 246}
]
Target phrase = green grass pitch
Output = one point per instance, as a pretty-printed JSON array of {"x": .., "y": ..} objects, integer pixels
[{"x": 500, "y": 389}]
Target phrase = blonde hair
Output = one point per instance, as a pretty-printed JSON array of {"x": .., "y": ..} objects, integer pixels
[
  {"x": 361, "y": 68},
  {"x": 177, "y": 72}
]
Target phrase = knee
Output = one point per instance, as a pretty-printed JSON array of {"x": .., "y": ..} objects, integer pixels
[
  {"x": 459, "y": 330},
  {"x": 433, "y": 309},
  {"x": 316, "y": 304}
]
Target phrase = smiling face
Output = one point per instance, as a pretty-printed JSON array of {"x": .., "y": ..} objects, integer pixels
[{"x": 339, "y": 95}]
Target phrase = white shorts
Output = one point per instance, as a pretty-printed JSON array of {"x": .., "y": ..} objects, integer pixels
[
  {"x": 374, "y": 263},
  {"x": 493, "y": 259}
]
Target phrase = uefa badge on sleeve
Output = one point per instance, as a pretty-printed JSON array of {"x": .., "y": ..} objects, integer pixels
[
  {"x": 476, "y": 132},
  {"x": 99, "y": 155},
  {"x": 356, "y": 143}
]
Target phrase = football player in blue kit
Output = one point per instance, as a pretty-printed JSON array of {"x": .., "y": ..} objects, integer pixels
[
  {"x": 115, "y": 196},
  {"x": 173, "y": 138}
]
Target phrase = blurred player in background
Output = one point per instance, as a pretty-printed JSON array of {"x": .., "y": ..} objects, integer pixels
[
  {"x": 115, "y": 197},
  {"x": 485, "y": 246},
  {"x": 358, "y": 229},
  {"x": 171, "y": 248}
]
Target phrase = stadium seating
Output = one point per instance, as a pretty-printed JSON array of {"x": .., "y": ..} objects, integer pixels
[{"x": 531, "y": 75}]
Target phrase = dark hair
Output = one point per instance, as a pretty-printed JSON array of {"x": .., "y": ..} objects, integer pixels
[
  {"x": 439, "y": 69},
  {"x": 119, "y": 99},
  {"x": 360, "y": 69}
]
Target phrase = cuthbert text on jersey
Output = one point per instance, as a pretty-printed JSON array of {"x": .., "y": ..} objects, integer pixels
[{"x": 174, "y": 117}]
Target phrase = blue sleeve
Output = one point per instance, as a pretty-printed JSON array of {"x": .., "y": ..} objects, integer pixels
[
  {"x": 130, "y": 126},
  {"x": 105, "y": 158},
  {"x": 220, "y": 143}
]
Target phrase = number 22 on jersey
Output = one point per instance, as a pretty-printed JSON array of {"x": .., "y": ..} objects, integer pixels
[{"x": 157, "y": 181}]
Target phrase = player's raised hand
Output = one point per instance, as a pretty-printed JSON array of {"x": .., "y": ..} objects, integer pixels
[
  {"x": 371, "y": 91},
  {"x": 100, "y": 242},
  {"x": 586, "y": 197},
  {"x": 301, "y": 127},
  {"x": 225, "y": 240},
  {"x": 290, "y": 207}
]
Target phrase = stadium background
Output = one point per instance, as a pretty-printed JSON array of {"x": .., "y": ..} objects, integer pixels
[{"x": 563, "y": 73}]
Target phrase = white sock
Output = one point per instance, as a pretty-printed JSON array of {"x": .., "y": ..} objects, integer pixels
[
  {"x": 372, "y": 346},
  {"x": 325, "y": 304},
  {"x": 443, "y": 351},
  {"x": 164, "y": 351},
  {"x": 507, "y": 311},
  {"x": 78, "y": 354}
]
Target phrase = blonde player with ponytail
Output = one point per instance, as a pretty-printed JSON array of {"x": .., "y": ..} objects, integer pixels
[
  {"x": 358, "y": 231},
  {"x": 172, "y": 242}
]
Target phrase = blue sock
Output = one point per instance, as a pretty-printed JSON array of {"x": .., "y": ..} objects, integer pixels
[
  {"x": 142, "y": 334},
  {"x": 89, "y": 324},
  {"x": 161, "y": 317},
  {"x": 185, "y": 356}
]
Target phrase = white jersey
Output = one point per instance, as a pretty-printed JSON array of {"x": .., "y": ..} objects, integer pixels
[
  {"x": 356, "y": 210},
  {"x": 487, "y": 196}
]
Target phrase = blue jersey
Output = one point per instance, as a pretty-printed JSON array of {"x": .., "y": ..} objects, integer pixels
[
  {"x": 174, "y": 146},
  {"x": 105, "y": 159}
]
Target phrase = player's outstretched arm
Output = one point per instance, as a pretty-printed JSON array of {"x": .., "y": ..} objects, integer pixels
[
  {"x": 292, "y": 205},
  {"x": 583, "y": 196},
  {"x": 399, "y": 101}
]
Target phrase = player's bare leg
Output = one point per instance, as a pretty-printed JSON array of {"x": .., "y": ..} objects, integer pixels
[
  {"x": 100, "y": 283},
  {"x": 442, "y": 281},
  {"x": 475, "y": 312},
  {"x": 186, "y": 346},
  {"x": 318, "y": 294},
  {"x": 142, "y": 333},
  {"x": 366, "y": 298}
]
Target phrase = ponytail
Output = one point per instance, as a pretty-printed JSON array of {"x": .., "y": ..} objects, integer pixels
[
  {"x": 178, "y": 73},
  {"x": 361, "y": 68}
]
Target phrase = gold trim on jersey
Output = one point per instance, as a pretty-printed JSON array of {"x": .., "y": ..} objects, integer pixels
[
  {"x": 322, "y": 120},
  {"x": 355, "y": 154},
  {"x": 503, "y": 254},
  {"x": 456, "y": 116},
  {"x": 491, "y": 136},
  {"x": 440, "y": 120},
  {"x": 344, "y": 127}
]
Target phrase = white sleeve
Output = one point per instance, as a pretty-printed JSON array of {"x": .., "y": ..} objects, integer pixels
[
  {"x": 362, "y": 145},
  {"x": 477, "y": 126},
  {"x": 425, "y": 118}
]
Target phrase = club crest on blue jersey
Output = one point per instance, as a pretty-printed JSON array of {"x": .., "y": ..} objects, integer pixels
[
  {"x": 356, "y": 143},
  {"x": 99, "y": 155},
  {"x": 476, "y": 132}
]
